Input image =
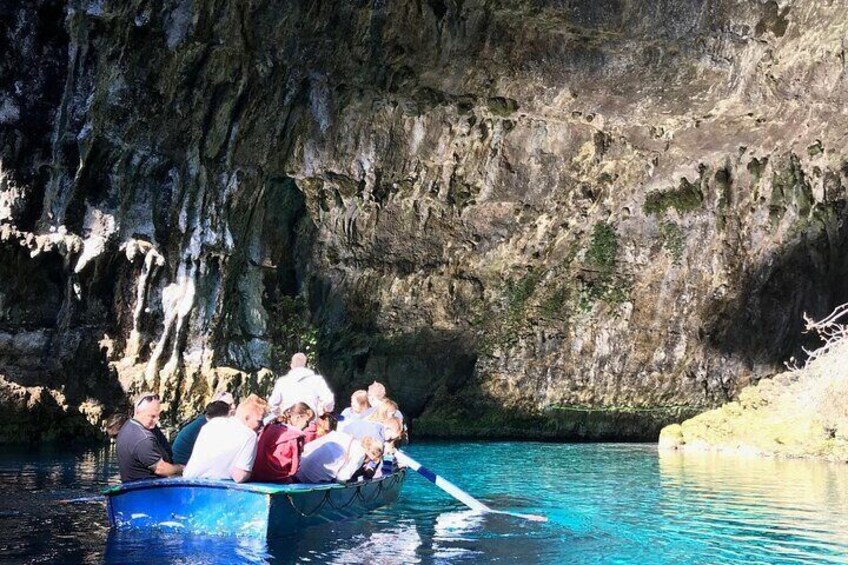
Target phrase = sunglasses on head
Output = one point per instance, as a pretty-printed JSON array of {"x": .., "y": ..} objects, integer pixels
[{"x": 146, "y": 398}]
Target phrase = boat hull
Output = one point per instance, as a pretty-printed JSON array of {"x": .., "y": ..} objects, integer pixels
[{"x": 257, "y": 510}]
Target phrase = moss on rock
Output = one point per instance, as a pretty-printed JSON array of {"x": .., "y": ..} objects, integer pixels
[{"x": 687, "y": 197}]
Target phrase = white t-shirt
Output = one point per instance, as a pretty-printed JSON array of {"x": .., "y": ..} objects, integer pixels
[
  {"x": 332, "y": 457},
  {"x": 302, "y": 385},
  {"x": 223, "y": 443}
]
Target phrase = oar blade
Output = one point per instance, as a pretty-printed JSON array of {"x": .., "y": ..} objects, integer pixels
[{"x": 455, "y": 491}]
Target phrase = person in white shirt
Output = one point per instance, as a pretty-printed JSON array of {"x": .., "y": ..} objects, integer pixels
[
  {"x": 226, "y": 447},
  {"x": 302, "y": 384},
  {"x": 337, "y": 456}
]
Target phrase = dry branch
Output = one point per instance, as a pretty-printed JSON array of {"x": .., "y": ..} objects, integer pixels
[{"x": 831, "y": 330}]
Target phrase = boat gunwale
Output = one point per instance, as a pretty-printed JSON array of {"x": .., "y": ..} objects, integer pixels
[{"x": 258, "y": 488}]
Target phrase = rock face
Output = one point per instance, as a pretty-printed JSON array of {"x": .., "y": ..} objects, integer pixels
[
  {"x": 799, "y": 413},
  {"x": 570, "y": 218}
]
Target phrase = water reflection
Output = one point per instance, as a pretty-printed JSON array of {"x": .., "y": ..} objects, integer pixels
[
  {"x": 605, "y": 503},
  {"x": 163, "y": 547},
  {"x": 453, "y": 527},
  {"x": 34, "y": 522},
  {"x": 760, "y": 509}
]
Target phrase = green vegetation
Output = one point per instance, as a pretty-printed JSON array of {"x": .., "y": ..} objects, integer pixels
[
  {"x": 556, "y": 303},
  {"x": 756, "y": 168},
  {"x": 291, "y": 331},
  {"x": 789, "y": 187},
  {"x": 603, "y": 247},
  {"x": 454, "y": 418},
  {"x": 522, "y": 290},
  {"x": 602, "y": 281},
  {"x": 549, "y": 296},
  {"x": 504, "y": 329},
  {"x": 687, "y": 197},
  {"x": 673, "y": 239},
  {"x": 501, "y": 106}
]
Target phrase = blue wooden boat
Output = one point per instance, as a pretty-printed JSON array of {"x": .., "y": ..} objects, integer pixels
[{"x": 259, "y": 510}]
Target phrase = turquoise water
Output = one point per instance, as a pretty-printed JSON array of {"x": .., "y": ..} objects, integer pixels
[{"x": 606, "y": 503}]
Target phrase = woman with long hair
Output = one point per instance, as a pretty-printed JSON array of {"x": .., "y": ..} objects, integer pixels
[
  {"x": 280, "y": 446},
  {"x": 384, "y": 412}
]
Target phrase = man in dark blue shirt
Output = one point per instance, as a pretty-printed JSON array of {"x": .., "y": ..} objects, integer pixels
[
  {"x": 184, "y": 442},
  {"x": 143, "y": 451}
]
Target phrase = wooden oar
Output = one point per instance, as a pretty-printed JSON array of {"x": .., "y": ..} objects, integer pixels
[{"x": 455, "y": 491}]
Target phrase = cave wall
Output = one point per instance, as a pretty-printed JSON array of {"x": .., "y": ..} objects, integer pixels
[{"x": 569, "y": 218}]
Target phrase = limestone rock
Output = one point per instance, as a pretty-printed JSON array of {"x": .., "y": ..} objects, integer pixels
[{"x": 591, "y": 216}]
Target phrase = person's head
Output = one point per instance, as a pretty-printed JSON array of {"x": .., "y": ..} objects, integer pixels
[
  {"x": 384, "y": 411},
  {"x": 250, "y": 411},
  {"x": 359, "y": 401},
  {"x": 392, "y": 429},
  {"x": 114, "y": 423},
  {"x": 227, "y": 398},
  {"x": 216, "y": 409},
  {"x": 298, "y": 360},
  {"x": 373, "y": 448},
  {"x": 376, "y": 393},
  {"x": 325, "y": 424},
  {"x": 297, "y": 415},
  {"x": 146, "y": 409}
]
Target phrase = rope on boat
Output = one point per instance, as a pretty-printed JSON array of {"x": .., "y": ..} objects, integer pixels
[
  {"x": 373, "y": 498},
  {"x": 353, "y": 497},
  {"x": 357, "y": 494},
  {"x": 313, "y": 511}
]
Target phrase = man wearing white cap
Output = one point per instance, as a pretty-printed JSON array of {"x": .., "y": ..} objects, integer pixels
[{"x": 302, "y": 384}]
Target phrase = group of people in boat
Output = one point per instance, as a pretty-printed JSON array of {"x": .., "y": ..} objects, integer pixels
[{"x": 294, "y": 436}]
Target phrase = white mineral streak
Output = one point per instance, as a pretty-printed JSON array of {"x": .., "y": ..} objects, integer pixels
[
  {"x": 99, "y": 226},
  {"x": 319, "y": 101},
  {"x": 9, "y": 195},
  {"x": 178, "y": 24},
  {"x": 417, "y": 136},
  {"x": 177, "y": 302},
  {"x": 9, "y": 112},
  {"x": 57, "y": 239},
  {"x": 153, "y": 260}
]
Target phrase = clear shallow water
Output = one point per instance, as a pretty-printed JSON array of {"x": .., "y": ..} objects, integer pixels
[{"x": 606, "y": 503}]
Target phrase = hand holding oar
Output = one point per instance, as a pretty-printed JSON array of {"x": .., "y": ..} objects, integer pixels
[{"x": 455, "y": 491}]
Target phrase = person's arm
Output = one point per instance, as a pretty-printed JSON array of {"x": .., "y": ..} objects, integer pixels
[
  {"x": 239, "y": 475},
  {"x": 276, "y": 397},
  {"x": 149, "y": 453},
  {"x": 288, "y": 454},
  {"x": 165, "y": 469},
  {"x": 296, "y": 453},
  {"x": 325, "y": 396},
  {"x": 243, "y": 462}
]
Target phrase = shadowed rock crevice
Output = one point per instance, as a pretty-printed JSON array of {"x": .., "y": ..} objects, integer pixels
[
  {"x": 42, "y": 344},
  {"x": 763, "y": 322}
]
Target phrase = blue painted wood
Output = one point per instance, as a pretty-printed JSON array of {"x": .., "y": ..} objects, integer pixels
[{"x": 260, "y": 510}]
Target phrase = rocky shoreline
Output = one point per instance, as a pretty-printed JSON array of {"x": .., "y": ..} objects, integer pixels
[{"x": 800, "y": 413}]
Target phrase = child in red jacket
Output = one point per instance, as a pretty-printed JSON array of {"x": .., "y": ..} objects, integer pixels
[{"x": 280, "y": 446}]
